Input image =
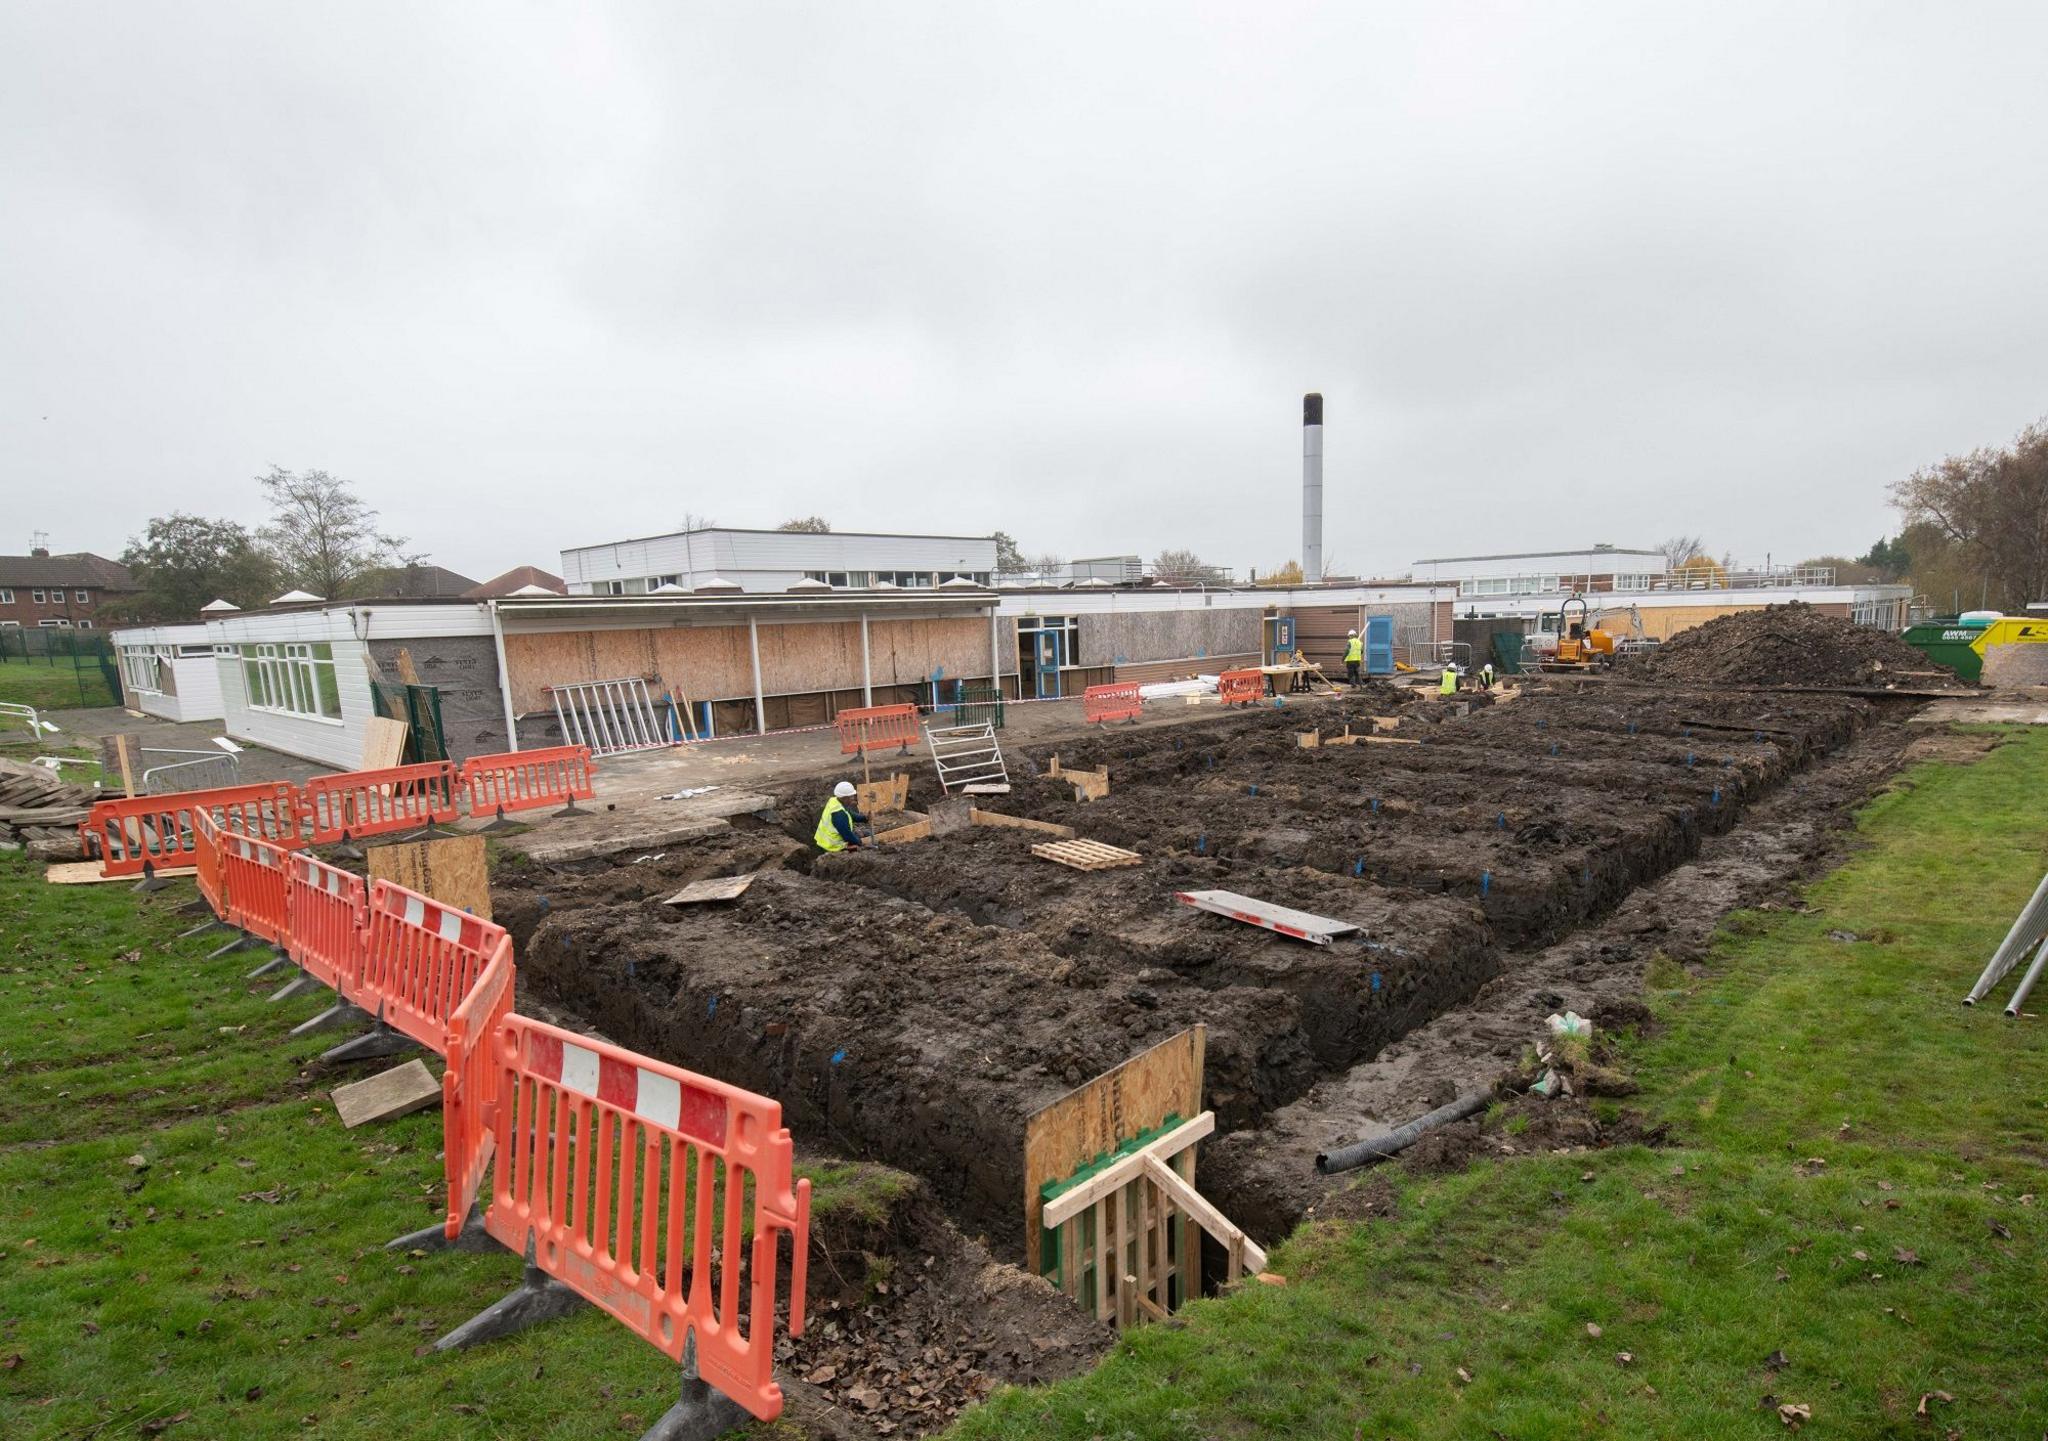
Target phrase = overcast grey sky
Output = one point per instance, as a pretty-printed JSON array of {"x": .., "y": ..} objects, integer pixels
[{"x": 534, "y": 276}]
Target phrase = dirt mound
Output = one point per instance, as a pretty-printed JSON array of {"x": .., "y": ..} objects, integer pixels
[{"x": 1788, "y": 645}]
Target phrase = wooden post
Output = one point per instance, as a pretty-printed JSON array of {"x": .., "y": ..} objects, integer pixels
[
  {"x": 1104, "y": 1260},
  {"x": 127, "y": 766}
]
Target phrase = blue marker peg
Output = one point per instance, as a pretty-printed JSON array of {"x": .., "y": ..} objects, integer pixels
[
  {"x": 1631, "y": 727},
  {"x": 1375, "y": 805},
  {"x": 1717, "y": 795},
  {"x": 1553, "y": 747},
  {"x": 1375, "y": 980},
  {"x": 839, "y": 1055},
  {"x": 1358, "y": 866},
  {"x": 1201, "y": 845},
  {"x": 630, "y": 972},
  {"x": 1688, "y": 757},
  {"x": 711, "y": 1006},
  {"x": 1501, "y": 820},
  {"x": 1485, "y": 882},
  {"x": 1252, "y": 790}
]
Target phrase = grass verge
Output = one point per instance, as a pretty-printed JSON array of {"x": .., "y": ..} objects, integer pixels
[
  {"x": 1850, "y": 1218},
  {"x": 62, "y": 686},
  {"x": 191, "y": 1245}
]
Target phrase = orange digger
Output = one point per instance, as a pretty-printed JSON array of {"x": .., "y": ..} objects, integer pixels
[{"x": 1579, "y": 646}]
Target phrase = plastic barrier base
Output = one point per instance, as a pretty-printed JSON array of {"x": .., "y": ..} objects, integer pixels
[
  {"x": 242, "y": 942},
  {"x": 280, "y": 959},
  {"x": 540, "y": 1297},
  {"x": 473, "y": 1237},
  {"x": 341, "y": 1013},
  {"x": 702, "y": 1413},
  {"x": 298, "y": 985},
  {"x": 374, "y": 1045},
  {"x": 203, "y": 928}
]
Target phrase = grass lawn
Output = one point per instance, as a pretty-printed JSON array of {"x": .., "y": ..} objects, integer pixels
[
  {"x": 1850, "y": 1217},
  {"x": 190, "y": 1244},
  {"x": 62, "y": 686}
]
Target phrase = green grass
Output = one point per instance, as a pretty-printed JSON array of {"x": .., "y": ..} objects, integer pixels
[
  {"x": 1826, "y": 1098},
  {"x": 236, "y": 1276},
  {"x": 63, "y": 686}
]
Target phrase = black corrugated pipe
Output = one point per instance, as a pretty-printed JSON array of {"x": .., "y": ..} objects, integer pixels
[{"x": 1379, "y": 1147}]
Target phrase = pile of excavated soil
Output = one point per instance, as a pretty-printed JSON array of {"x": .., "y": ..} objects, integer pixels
[{"x": 1788, "y": 645}]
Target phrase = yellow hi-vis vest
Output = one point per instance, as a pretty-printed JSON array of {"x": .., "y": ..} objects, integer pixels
[
  {"x": 1354, "y": 651},
  {"x": 827, "y": 835},
  {"x": 1450, "y": 685}
]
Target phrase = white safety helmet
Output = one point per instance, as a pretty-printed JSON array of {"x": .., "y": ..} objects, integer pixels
[
  {"x": 845, "y": 790},
  {"x": 1351, "y": 632}
]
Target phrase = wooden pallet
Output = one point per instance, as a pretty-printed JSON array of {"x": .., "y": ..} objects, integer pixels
[{"x": 1086, "y": 855}]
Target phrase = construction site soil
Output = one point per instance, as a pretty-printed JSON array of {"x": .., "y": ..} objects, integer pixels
[
  {"x": 1789, "y": 645},
  {"x": 913, "y": 1004}
]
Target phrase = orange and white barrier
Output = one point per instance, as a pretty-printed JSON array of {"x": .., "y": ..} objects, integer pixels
[
  {"x": 469, "y": 1087},
  {"x": 666, "y": 1257},
  {"x": 207, "y": 862},
  {"x": 522, "y": 780},
  {"x": 1241, "y": 687},
  {"x": 253, "y": 877},
  {"x": 420, "y": 959},
  {"x": 872, "y": 728},
  {"x": 156, "y": 831},
  {"x": 329, "y": 912},
  {"x": 1118, "y": 702},
  {"x": 355, "y": 804}
]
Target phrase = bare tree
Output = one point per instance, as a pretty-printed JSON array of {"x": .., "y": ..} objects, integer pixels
[
  {"x": 1045, "y": 562},
  {"x": 324, "y": 536},
  {"x": 807, "y": 525},
  {"x": 1679, "y": 549},
  {"x": 1993, "y": 505},
  {"x": 1182, "y": 567},
  {"x": 693, "y": 521}
]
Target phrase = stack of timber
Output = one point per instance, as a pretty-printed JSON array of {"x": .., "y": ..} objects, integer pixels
[{"x": 40, "y": 811}]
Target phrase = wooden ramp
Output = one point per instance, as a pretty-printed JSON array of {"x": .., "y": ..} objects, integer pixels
[{"x": 1301, "y": 925}]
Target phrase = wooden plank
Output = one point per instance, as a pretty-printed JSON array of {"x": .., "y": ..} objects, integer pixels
[
  {"x": 1190, "y": 1240},
  {"x": 407, "y": 671},
  {"x": 1099, "y": 1116},
  {"x": 1088, "y": 785},
  {"x": 1309, "y": 740},
  {"x": 87, "y": 873},
  {"x": 919, "y": 831},
  {"x": 451, "y": 870},
  {"x": 891, "y": 793},
  {"x": 383, "y": 743},
  {"x": 1105, "y": 1261},
  {"x": 722, "y": 888},
  {"x": 397, "y": 1092},
  {"x": 1022, "y": 823},
  {"x": 1389, "y": 741},
  {"x": 127, "y": 765},
  {"x": 1242, "y": 1247},
  {"x": 986, "y": 788},
  {"x": 1114, "y": 1177}
]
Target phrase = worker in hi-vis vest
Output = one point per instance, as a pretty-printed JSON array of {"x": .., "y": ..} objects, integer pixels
[
  {"x": 1354, "y": 655},
  {"x": 1450, "y": 681},
  {"x": 839, "y": 826}
]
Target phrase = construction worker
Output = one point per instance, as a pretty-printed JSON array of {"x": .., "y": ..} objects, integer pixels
[
  {"x": 839, "y": 825},
  {"x": 1354, "y": 656},
  {"x": 1486, "y": 676},
  {"x": 1450, "y": 681}
]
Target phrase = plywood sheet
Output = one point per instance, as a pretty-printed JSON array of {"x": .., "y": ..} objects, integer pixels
[
  {"x": 451, "y": 870},
  {"x": 1115, "y": 1107},
  {"x": 723, "y": 888},
  {"x": 383, "y": 743},
  {"x": 87, "y": 873}
]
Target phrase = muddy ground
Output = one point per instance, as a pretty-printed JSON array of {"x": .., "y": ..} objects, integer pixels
[{"x": 914, "y": 1004}]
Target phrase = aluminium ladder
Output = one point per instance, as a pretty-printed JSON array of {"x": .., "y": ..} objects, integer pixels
[
  {"x": 968, "y": 758},
  {"x": 609, "y": 716}
]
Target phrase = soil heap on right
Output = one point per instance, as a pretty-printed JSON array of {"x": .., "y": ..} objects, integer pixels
[{"x": 1790, "y": 644}]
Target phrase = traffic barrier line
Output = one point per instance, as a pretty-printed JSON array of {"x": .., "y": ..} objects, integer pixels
[
  {"x": 355, "y": 804},
  {"x": 522, "y": 780},
  {"x": 1121, "y": 700}
]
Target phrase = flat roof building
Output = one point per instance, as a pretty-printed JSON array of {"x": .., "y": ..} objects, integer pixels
[{"x": 720, "y": 558}]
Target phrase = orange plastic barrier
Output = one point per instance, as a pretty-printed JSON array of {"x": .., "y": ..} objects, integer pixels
[
  {"x": 664, "y": 1256},
  {"x": 521, "y": 780},
  {"x": 157, "y": 830},
  {"x": 1241, "y": 686},
  {"x": 375, "y": 803},
  {"x": 876, "y": 728},
  {"x": 1121, "y": 701},
  {"x": 420, "y": 960},
  {"x": 328, "y": 913},
  {"x": 207, "y": 862},
  {"x": 253, "y": 876},
  {"x": 469, "y": 1087}
]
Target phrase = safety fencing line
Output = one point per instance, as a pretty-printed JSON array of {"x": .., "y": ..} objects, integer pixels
[
  {"x": 469, "y": 1087},
  {"x": 253, "y": 874},
  {"x": 355, "y": 804},
  {"x": 139, "y": 835},
  {"x": 523, "y": 780},
  {"x": 419, "y": 960},
  {"x": 872, "y": 728},
  {"x": 1121, "y": 701},
  {"x": 625, "y": 1180},
  {"x": 1241, "y": 687}
]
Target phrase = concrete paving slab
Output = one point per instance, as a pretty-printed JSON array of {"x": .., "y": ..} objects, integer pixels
[{"x": 397, "y": 1092}]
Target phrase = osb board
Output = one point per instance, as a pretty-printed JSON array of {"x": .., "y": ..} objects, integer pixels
[
  {"x": 1113, "y": 1108},
  {"x": 915, "y": 831},
  {"x": 891, "y": 793},
  {"x": 383, "y": 743},
  {"x": 716, "y": 662},
  {"x": 723, "y": 888},
  {"x": 87, "y": 873},
  {"x": 451, "y": 870}
]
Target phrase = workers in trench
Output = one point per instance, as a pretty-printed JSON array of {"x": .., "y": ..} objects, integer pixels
[
  {"x": 1354, "y": 656},
  {"x": 1449, "y": 684},
  {"x": 839, "y": 826}
]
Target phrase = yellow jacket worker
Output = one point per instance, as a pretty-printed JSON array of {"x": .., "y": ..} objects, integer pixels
[{"x": 838, "y": 826}]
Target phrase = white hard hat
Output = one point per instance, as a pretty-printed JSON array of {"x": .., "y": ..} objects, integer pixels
[
  {"x": 1351, "y": 632},
  {"x": 845, "y": 790}
]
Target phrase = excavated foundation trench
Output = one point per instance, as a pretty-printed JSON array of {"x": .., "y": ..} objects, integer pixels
[{"x": 914, "y": 1004}]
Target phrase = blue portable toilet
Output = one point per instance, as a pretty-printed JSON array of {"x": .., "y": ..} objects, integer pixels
[{"x": 1379, "y": 645}]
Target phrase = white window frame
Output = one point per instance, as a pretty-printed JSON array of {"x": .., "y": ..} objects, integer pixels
[
  {"x": 6, "y": 596},
  {"x": 85, "y": 625},
  {"x": 40, "y": 597},
  {"x": 53, "y": 623},
  {"x": 283, "y": 678},
  {"x": 82, "y": 597}
]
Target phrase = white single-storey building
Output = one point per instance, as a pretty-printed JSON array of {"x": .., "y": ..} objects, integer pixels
[{"x": 169, "y": 671}]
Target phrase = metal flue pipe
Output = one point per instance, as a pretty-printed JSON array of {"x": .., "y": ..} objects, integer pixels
[
  {"x": 1358, "y": 1153},
  {"x": 1312, "y": 488}
]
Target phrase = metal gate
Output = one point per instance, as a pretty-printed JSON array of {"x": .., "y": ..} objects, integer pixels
[{"x": 609, "y": 716}]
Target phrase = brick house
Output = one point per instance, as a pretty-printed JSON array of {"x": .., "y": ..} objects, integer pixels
[{"x": 40, "y": 591}]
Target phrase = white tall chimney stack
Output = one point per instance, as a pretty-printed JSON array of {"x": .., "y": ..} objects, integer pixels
[{"x": 1312, "y": 488}]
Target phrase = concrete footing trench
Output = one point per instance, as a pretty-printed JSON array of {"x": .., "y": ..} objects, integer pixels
[{"x": 912, "y": 1005}]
